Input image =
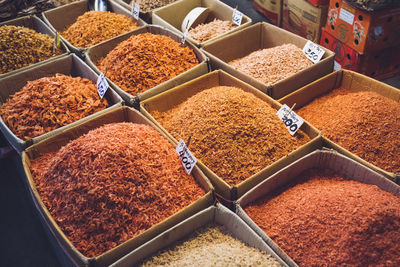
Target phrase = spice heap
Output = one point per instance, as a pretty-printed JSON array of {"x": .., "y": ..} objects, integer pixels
[
  {"x": 271, "y": 65},
  {"x": 146, "y": 60},
  {"x": 364, "y": 122},
  {"x": 102, "y": 193},
  {"x": 325, "y": 220},
  {"x": 206, "y": 31},
  {"x": 211, "y": 246},
  {"x": 94, "y": 27},
  {"x": 149, "y": 5},
  {"x": 21, "y": 46},
  {"x": 232, "y": 132},
  {"x": 48, "y": 103}
]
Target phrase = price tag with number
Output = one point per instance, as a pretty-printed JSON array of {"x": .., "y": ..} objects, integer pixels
[
  {"x": 102, "y": 85},
  {"x": 187, "y": 158},
  {"x": 135, "y": 10},
  {"x": 313, "y": 51},
  {"x": 237, "y": 17},
  {"x": 292, "y": 121}
]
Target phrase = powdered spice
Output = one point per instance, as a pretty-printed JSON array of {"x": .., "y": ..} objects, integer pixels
[
  {"x": 232, "y": 132},
  {"x": 364, "y": 122},
  {"x": 112, "y": 184},
  {"x": 94, "y": 27},
  {"x": 149, "y": 5},
  {"x": 206, "y": 31},
  {"x": 49, "y": 103},
  {"x": 326, "y": 220},
  {"x": 21, "y": 47},
  {"x": 146, "y": 60}
]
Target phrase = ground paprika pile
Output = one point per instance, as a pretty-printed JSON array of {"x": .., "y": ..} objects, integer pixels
[
  {"x": 325, "y": 220},
  {"x": 112, "y": 184}
]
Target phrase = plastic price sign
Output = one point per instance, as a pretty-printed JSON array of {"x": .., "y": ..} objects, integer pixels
[
  {"x": 102, "y": 85},
  {"x": 135, "y": 10},
  {"x": 291, "y": 120},
  {"x": 313, "y": 51},
  {"x": 237, "y": 17},
  {"x": 187, "y": 158}
]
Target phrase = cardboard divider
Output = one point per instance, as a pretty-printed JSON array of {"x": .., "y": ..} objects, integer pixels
[
  {"x": 171, "y": 16},
  {"x": 218, "y": 214},
  {"x": 354, "y": 82},
  {"x": 333, "y": 160},
  {"x": 60, "y": 18},
  {"x": 122, "y": 114},
  {"x": 68, "y": 65},
  {"x": 173, "y": 97},
  {"x": 34, "y": 23},
  {"x": 261, "y": 36},
  {"x": 95, "y": 53}
]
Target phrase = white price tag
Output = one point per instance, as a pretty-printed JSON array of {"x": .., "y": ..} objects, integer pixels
[
  {"x": 313, "y": 51},
  {"x": 237, "y": 17},
  {"x": 135, "y": 10},
  {"x": 187, "y": 158},
  {"x": 185, "y": 35},
  {"x": 102, "y": 85},
  {"x": 292, "y": 121},
  {"x": 336, "y": 65}
]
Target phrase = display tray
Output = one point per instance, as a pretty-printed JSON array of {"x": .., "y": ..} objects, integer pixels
[
  {"x": 67, "y": 64},
  {"x": 122, "y": 114},
  {"x": 169, "y": 99}
]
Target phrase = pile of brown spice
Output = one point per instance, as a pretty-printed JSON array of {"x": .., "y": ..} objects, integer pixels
[
  {"x": 48, "y": 103},
  {"x": 62, "y": 2},
  {"x": 94, "y": 27},
  {"x": 149, "y": 5},
  {"x": 233, "y": 132},
  {"x": 21, "y": 46},
  {"x": 146, "y": 60},
  {"x": 206, "y": 31},
  {"x": 112, "y": 184},
  {"x": 364, "y": 122},
  {"x": 325, "y": 220},
  {"x": 271, "y": 65},
  {"x": 211, "y": 245}
]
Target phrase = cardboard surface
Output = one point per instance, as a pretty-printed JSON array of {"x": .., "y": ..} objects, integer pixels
[
  {"x": 33, "y": 22},
  {"x": 271, "y": 9},
  {"x": 60, "y": 18},
  {"x": 69, "y": 65},
  {"x": 122, "y": 114},
  {"x": 95, "y": 53},
  {"x": 261, "y": 36},
  {"x": 351, "y": 81},
  {"x": 172, "y": 15},
  {"x": 146, "y": 16},
  {"x": 177, "y": 95},
  {"x": 340, "y": 164},
  {"x": 215, "y": 214}
]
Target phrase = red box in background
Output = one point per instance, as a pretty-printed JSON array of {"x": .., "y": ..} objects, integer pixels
[
  {"x": 318, "y": 2},
  {"x": 380, "y": 64},
  {"x": 271, "y": 9}
]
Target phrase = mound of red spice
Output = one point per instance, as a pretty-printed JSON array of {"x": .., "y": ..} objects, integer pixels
[
  {"x": 146, "y": 60},
  {"x": 48, "y": 103},
  {"x": 325, "y": 220},
  {"x": 112, "y": 184}
]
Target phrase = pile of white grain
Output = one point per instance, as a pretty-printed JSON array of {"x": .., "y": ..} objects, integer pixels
[{"x": 206, "y": 31}]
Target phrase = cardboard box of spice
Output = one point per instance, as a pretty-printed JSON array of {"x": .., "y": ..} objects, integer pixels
[
  {"x": 218, "y": 215},
  {"x": 261, "y": 36},
  {"x": 68, "y": 65},
  {"x": 171, "y": 98},
  {"x": 279, "y": 182},
  {"x": 354, "y": 82},
  {"x": 63, "y": 245},
  {"x": 60, "y": 18},
  {"x": 34, "y": 23},
  {"x": 95, "y": 53},
  {"x": 172, "y": 15},
  {"x": 146, "y": 7}
]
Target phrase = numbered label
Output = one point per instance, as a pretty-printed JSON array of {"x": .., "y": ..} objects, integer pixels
[
  {"x": 135, "y": 10},
  {"x": 187, "y": 158},
  {"x": 313, "y": 51},
  {"x": 102, "y": 85},
  {"x": 291, "y": 120},
  {"x": 237, "y": 17}
]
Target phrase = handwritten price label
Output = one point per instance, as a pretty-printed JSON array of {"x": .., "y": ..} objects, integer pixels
[
  {"x": 292, "y": 121},
  {"x": 135, "y": 10},
  {"x": 313, "y": 51},
  {"x": 237, "y": 17},
  {"x": 187, "y": 158},
  {"x": 102, "y": 85}
]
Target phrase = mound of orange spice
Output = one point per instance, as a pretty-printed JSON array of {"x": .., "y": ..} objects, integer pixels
[
  {"x": 112, "y": 184},
  {"x": 146, "y": 60},
  {"x": 48, "y": 103}
]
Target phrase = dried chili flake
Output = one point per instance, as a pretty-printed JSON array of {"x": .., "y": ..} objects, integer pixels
[
  {"x": 233, "y": 132},
  {"x": 112, "y": 184},
  {"x": 326, "y": 220},
  {"x": 146, "y": 60},
  {"x": 48, "y": 103}
]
